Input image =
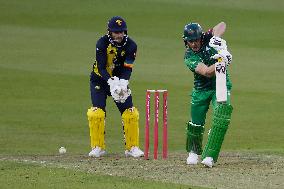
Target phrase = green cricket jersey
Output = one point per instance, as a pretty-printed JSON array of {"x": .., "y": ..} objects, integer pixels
[{"x": 191, "y": 60}]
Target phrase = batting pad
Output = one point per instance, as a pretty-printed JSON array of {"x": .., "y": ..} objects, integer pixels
[
  {"x": 221, "y": 121},
  {"x": 194, "y": 138},
  {"x": 96, "y": 118},
  {"x": 130, "y": 122}
]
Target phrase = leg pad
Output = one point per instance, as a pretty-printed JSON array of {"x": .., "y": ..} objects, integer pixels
[
  {"x": 96, "y": 118},
  {"x": 130, "y": 122},
  {"x": 194, "y": 138},
  {"x": 221, "y": 121}
]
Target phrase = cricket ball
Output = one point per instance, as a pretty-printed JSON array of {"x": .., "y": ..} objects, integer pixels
[{"x": 62, "y": 150}]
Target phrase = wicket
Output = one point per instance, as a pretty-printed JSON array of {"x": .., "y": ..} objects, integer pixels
[{"x": 156, "y": 123}]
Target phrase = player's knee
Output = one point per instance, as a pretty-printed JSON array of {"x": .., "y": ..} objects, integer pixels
[
  {"x": 195, "y": 124},
  {"x": 95, "y": 113},
  {"x": 223, "y": 111},
  {"x": 194, "y": 129},
  {"x": 130, "y": 113}
]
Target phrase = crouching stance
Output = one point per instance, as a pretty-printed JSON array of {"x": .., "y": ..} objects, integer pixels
[
  {"x": 203, "y": 53},
  {"x": 115, "y": 55}
]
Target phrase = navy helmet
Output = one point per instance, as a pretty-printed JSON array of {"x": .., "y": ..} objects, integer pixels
[
  {"x": 192, "y": 31},
  {"x": 117, "y": 24}
]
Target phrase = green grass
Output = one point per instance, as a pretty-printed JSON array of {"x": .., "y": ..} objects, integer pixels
[
  {"x": 47, "y": 48},
  {"x": 21, "y": 175}
]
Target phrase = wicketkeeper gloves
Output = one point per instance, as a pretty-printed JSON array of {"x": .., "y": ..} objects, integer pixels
[{"x": 118, "y": 89}]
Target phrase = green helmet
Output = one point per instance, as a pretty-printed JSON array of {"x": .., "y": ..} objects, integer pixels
[{"x": 192, "y": 31}]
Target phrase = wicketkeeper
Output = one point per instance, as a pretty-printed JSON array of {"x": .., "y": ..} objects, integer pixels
[
  {"x": 203, "y": 51},
  {"x": 115, "y": 56}
]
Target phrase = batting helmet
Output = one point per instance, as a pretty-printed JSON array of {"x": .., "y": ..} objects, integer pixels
[
  {"x": 192, "y": 31},
  {"x": 117, "y": 24}
]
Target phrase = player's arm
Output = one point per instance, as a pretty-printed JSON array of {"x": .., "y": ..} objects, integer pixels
[
  {"x": 216, "y": 41},
  {"x": 195, "y": 64},
  {"x": 129, "y": 62},
  {"x": 101, "y": 58},
  {"x": 207, "y": 71},
  {"x": 219, "y": 29},
  {"x": 125, "y": 73}
]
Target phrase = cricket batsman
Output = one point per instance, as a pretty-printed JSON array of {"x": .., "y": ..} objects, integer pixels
[
  {"x": 206, "y": 55},
  {"x": 115, "y": 56}
]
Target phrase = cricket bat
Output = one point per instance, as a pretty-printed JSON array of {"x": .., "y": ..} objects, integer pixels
[{"x": 221, "y": 87}]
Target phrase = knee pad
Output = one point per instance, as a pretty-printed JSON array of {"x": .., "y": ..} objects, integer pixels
[
  {"x": 221, "y": 121},
  {"x": 130, "y": 122},
  {"x": 96, "y": 118},
  {"x": 194, "y": 138}
]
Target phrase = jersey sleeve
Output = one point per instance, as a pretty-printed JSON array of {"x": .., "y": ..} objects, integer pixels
[
  {"x": 207, "y": 36},
  {"x": 130, "y": 56},
  {"x": 101, "y": 58},
  {"x": 192, "y": 61},
  {"x": 129, "y": 61}
]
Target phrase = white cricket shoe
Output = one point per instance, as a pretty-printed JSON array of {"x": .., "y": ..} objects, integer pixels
[
  {"x": 97, "y": 152},
  {"x": 208, "y": 162},
  {"x": 192, "y": 159},
  {"x": 134, "y": 152}
]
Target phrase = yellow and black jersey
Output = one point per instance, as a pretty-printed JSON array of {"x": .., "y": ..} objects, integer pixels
[{"x": 114, "y": 60}]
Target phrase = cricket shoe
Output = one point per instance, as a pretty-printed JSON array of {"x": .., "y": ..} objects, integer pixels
[
  {"x": 134, "y": 152},
  {"x": 192, "y": 159},
  {"x": 97, "y": 152},
  {"x": 208, "y": 162}
]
